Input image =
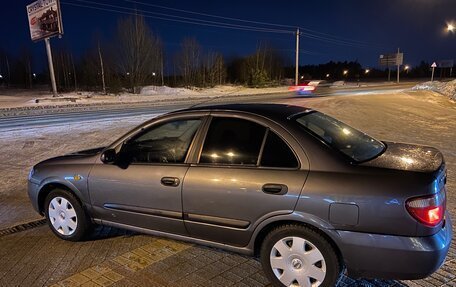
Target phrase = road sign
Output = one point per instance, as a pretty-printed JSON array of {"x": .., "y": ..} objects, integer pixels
[
  {"x": 391, "y": 59},
  {"x": 434, "y": 65}
]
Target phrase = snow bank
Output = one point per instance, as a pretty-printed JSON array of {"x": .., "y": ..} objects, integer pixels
[
  {"x": 147, "y": 94},
  {"x": 164, "y": 90},
  {"x": 446, "y": 88}
]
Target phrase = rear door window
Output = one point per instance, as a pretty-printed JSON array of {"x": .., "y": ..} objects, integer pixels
[
  {"x": 232, "y": 141},
  {"x": 277, "y": 153}
]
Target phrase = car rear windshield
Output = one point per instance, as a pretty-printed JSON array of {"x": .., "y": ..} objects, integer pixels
[{"x": 351, "y": 142}]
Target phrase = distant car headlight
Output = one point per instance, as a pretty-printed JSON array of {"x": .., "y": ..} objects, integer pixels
[{"x": 31, "y": 172}]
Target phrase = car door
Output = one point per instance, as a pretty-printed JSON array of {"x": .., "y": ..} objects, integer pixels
[
  {"x": 246, "y": 172},
  {"x": 143, "y": 188}
]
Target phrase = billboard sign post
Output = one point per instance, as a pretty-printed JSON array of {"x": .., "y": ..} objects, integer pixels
[
  {"x": 446, "y": 64},
  {"x": 388, "y": 60},
  {"x": 45, "y": 21}
]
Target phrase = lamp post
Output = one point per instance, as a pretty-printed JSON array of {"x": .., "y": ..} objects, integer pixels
[
  {"x": 406, "y": 69},
  {"x": 451, "y": 27}
]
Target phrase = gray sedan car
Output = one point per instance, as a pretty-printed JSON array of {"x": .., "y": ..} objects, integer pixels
[{"x": 305, "y": 192}]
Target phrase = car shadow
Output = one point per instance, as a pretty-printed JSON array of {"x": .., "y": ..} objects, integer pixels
[{"x": 106, "y": 232}]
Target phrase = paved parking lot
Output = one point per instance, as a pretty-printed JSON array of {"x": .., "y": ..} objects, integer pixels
[{"x": 113, "y": 257}]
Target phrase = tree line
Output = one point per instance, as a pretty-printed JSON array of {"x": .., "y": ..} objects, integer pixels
[{"x": 136, "y": 57}]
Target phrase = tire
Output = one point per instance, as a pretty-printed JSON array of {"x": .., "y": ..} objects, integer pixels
[
  {"x": 308, "y": 259},
  {"x": 66, "y": 216}
]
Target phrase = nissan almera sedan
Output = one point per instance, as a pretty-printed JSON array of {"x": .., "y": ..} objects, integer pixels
[{"x": 305, "y": 192}]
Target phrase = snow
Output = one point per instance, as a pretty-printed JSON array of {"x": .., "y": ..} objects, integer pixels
[{"x": 446, "y": 88}]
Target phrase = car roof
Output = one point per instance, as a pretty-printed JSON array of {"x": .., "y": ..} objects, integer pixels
[{"x": 281, "y": 111}]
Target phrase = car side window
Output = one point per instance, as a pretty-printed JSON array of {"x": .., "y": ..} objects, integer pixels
[
  {"x": 232, "y": 141},
  {"x": 166, "y": 143},
  {"x": 276, "y": 153}
]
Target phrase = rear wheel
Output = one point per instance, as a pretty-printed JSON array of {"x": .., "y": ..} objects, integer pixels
[
  {"x": 65, "y": 215},
  {"x": 294, "y": 255}
]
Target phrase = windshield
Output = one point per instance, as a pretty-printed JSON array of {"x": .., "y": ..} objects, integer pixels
[{"x": 351, "y": 142}]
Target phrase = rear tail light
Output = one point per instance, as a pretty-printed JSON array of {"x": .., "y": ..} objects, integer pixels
[{"x": 428, "y": 210}]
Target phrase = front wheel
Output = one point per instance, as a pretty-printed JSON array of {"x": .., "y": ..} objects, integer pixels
[
  {"x": 65, "y": 215},
  {"x": 294, "y": 255}
]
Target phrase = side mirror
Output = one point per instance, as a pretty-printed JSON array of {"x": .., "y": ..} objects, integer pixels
[{"x": 108, "y": 156}]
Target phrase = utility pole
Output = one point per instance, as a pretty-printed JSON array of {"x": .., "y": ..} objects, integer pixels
[
  {"x": 398, "y": 65},
  {"x": 51, "y": 66},
  {"x": 297, "y": 57}
]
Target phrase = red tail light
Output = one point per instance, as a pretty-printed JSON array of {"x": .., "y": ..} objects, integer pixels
[{"x": 428, "y": 210}]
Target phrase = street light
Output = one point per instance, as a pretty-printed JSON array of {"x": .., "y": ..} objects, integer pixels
[
  {"x": 366, "y": 71},
  {"x": 451, "y": 27},
  {"x": 345, "y": 72},
  {"x": 1, "y": 76},
  {"x": 327, "y": 75}
]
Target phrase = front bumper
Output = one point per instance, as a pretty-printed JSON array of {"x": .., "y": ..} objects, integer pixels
[
  {"x": 394, "y": 257},
  {"x": 32, "y": 189}
]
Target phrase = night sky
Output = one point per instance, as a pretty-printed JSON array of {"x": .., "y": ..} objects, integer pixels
[{"x": 353, "y": 29}]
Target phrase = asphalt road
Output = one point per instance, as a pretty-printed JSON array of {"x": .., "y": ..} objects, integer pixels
[{"x": 68, "y": 115}]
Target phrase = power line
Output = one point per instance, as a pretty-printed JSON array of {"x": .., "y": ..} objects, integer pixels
[
  {"x": 315, "y": 35},
  {"x": 309, "y": 32},
  {"x": 210, "y": 15},
  {"x": 173, "y": 18}
]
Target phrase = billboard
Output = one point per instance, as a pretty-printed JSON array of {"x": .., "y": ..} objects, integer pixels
[
  {"x": 445, "y": 64},
  {"x": 45, "y": 19},
  {"x": 391, "y": 59}
]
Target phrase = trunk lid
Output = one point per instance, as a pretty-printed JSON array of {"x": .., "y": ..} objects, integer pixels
[{"x": 408, "y": 157}]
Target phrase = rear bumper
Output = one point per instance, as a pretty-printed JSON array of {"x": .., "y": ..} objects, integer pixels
[{"x": 394, "y": 257}]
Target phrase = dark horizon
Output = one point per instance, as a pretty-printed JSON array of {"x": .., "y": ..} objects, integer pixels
[{"x": 349, "y": 31}]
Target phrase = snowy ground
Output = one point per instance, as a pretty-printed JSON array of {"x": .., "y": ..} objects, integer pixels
[{"x": 446, "y": 88}]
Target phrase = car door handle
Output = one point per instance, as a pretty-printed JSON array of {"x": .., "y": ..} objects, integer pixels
[
  {"x": 275, "y": 188},
  {"x": 170, "y": 181}
]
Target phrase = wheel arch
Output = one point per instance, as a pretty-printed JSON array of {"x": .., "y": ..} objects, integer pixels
[
  {"x": 49, "y": 186},
  {"x": 320, "y": 227}
]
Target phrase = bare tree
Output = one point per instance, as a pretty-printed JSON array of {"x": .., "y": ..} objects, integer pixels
[
  {"x": 138, "y": 50},
  {"x": 214, "y": 68},
  {"x": 189, "y": 62},
  {"x": 102, "y": 69},
  {"x": 26, "y": 63},
  {"x": 65, "y": 70},
  {"x": 264, "y": 67}
]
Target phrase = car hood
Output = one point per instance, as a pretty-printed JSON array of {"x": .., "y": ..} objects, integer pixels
[
  {"x": 84, "y": 156},
  {"x": 409, "y": 157},
  {"x": 92, "y": 151}
]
